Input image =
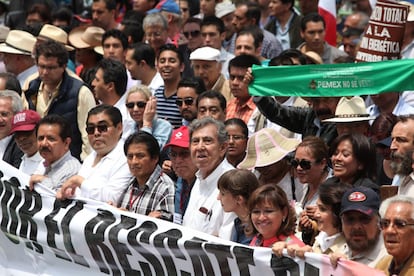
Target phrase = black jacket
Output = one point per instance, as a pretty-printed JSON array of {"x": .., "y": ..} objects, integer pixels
[{"x": 296, "y": 119}]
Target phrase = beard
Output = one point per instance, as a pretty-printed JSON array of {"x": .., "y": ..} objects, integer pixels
[
  {"x": 401, "y": 163},
  {"x": 364, "y": 245}
]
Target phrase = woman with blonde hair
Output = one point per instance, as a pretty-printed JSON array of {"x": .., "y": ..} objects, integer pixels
[{"x": 142, "y": 108}]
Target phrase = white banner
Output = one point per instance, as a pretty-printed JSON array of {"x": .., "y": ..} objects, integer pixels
[{"x": 44, "y": 236}]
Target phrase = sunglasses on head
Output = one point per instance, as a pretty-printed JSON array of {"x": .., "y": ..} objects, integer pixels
[
  {"x": 187, "y": 101},
  {"x": 101, "y": 128},
  {"x": 304, "y": 164},
  {"x": 139, "y": 104},
  {"x": 192, "y": 33}
]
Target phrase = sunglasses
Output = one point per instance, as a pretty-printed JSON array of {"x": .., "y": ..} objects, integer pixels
[
  {"x": 192, "y": 33},
  {"x": 304, "y": 164},
  {"x": 101, "y": 128},
  {"x": 187, "y": 101},
  {"x": 139, "y": 104},
  {"x": 397, "y": 223}
]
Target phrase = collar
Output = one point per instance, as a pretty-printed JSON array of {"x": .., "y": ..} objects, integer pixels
[{"x": 249, "y": 104}]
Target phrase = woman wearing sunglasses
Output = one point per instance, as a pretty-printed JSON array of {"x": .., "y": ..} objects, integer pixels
[
  {"x": 142, "y": 108},
  {"x": 353, "y": 159},
  {"x": 328, "y": 207},
  {"x": 311, "y": 167}
]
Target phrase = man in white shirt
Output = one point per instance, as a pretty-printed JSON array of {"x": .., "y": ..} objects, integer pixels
[
  {"x": 24, "y": 130},
  {"x": 104, "y": 174},
  {"x": 140, "y": 62},
  {"x": 208, "y": 146},
  {"x": 109, "y": 88}
]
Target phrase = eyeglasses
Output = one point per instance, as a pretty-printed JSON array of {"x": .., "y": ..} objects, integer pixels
[
  {"x": 304, "y": 164},
  {"x": 101, "y": 128},
  {"x": 182, "y": 154},
  {"x": 397, "y": 223},
  {"x": 138, "y": 104},
  {"x": 265, "y": 212},
  {"x": 192, "y": 33},
  {"x": 351, "y": 220},
  {"x": 236, "y": 137},
  {"x": 187, "y": 101}
]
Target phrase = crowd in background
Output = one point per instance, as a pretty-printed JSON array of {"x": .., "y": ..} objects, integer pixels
[{"x": 145, "y": 105}]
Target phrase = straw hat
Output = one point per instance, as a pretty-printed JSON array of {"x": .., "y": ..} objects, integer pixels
[
  {"x": 266, "y": 147},
  {"x": 18, "y": 42},
  {"x": 4, "y": 32},
  {"x": 314, "y": 56},
  {"x": 350, "y": 110},
  {"x": 86, "y": 37},
  {"x": 55, "y": 33}
]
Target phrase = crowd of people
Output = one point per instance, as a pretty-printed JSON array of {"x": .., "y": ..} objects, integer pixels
[{"x": 145, "y": 105}]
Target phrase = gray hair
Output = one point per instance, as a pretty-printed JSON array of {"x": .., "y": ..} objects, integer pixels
[
  {"x": 17, "y": 103},
  {"x": 200, "y": 123},
  {"x": 155, "y": 19},
  {"x": 397, "y": 199}
]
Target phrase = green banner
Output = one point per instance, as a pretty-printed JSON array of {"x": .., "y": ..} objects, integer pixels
[{"x": 333, "y": 80}]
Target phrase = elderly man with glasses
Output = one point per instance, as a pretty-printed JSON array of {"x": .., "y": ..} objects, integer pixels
[{"x": 397, "y": 224}]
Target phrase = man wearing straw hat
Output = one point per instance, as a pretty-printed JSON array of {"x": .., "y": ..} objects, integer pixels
[
  {"x": 351, "y": 116},
  {"x": 84, "y": 39},
  {"x": 17, "y": 51}
]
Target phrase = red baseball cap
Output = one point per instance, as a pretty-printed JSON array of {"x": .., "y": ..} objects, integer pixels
[
  {"x": 180, "y": 138},
  {"x": 25, "y": 120}
]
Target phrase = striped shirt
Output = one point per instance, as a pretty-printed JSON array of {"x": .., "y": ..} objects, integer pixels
[
  {"x": 156, "y": 195},
  {"x": 167, "y": 109}
]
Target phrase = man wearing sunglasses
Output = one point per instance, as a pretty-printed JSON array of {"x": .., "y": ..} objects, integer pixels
[
  {"x": 397, "y": 224},
  {"x": 104, "y": 174},
  {"x": 187, "y": 94},
  {"x": 360, "y": 225}
]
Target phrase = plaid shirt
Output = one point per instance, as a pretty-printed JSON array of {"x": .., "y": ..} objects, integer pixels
[
  {"x": 156, "y": 195},
  {"x": 244, "y": 112}
]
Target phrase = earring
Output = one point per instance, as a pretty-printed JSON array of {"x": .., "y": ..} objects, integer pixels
[{"x": 284, "y": 219}]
